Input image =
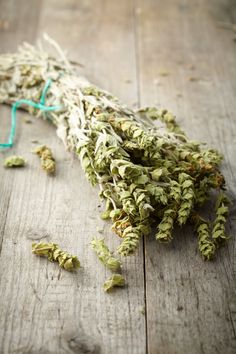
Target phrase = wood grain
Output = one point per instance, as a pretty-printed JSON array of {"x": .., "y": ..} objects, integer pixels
[
  {"x": 189, "y": 305},
  {"x": 44, "y": 309}
]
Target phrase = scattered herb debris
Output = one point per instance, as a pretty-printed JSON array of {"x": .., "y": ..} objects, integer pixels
[
  {"x": 206, "y": 245},
  {"x": 28, "y": 121},
  {"x": 142, "y": 310},
  {"x": 105, "y": 255},
  {"x": 116, "y": 280},
  {"x": 47, "y": 159},
  {"x": 164, "y": 72},
  {"x": 228, "y": 26},
  {"x": 14, "y": 161},
  {"x": 193, "y": 79},
  {"x": 55, "y": 254}
]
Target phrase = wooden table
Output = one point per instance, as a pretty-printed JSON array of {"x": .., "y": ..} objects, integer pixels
[{"x": 174, "y": 54}]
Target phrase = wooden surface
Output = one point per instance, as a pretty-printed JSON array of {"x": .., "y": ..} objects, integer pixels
[{"x": 174, "y": 302}]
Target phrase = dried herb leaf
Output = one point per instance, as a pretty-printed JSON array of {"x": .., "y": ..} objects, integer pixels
[
  {"x": 116, "y": 280},
  {"x": 46, "y": 157},
  {"x": 14, "y": 161},
  {"x": 55, "y": 254},
  {"x": 165, "y": 227},
  {"x": 105, "y": 255}
]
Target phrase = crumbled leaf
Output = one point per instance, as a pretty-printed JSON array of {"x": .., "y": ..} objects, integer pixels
[
  {"x": 128, "y": 81},
  {"x": 116, "y": 280},
  {"x": 142, "y": 310},
  {"x": 193, "y": 79},
  {"x": 47, "y": 159},
  {"x": 104, "y": 255},
  {"x": 164, "y": 72},
  {"x": 27, "y": 120},
  {"x": 14, "y": 161},
  {"x": 55, "y": 254}
]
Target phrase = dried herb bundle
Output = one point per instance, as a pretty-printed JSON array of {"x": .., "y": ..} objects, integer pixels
[{"x": 149, "y": 173}]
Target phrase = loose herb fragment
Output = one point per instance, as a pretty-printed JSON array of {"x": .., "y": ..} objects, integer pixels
[
  {"x": 14, "y": 161},
  {"x": 28, "y": 121},
  {"x": 105, "y": 255},
  {"x": 55, "y": 254},
  {"x": 114, "y": 281},
  {"x": 47, "y": 159}
]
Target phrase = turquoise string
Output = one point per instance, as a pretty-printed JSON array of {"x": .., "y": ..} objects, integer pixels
[{"x": 17, "y": 104}]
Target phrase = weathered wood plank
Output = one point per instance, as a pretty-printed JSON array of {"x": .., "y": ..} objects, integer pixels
[
  {"x": 10, "y": 36},
  {"x": 190, "y": 303},
  {"x": 44, "y": 309}
]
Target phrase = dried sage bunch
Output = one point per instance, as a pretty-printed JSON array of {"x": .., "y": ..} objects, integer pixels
[{"x": 149, "y": 173}]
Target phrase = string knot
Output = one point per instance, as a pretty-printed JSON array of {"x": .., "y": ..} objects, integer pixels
[{"x": 40, "y": 105}]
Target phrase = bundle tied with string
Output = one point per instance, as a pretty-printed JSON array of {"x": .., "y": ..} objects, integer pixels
[
  {"x": 22, "y": 102},
  {"x": 149, "y": 173}
]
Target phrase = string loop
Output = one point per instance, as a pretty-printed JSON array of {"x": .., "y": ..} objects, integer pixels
[{"x": 41, "y": 106}]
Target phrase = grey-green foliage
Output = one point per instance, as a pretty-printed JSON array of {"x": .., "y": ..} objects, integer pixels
[
  {"x": 14, "y": 161},
  {"x": 166, "y": 225},
  {"x": 47, "y": 160},
  {"x": 187, "y": 197},
  {"x": 148, "y": 171},
  {"x": 116, "y": 280}
]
